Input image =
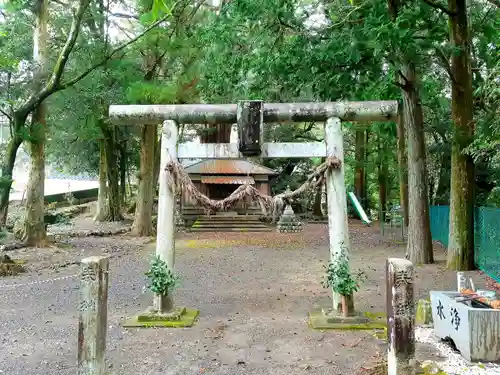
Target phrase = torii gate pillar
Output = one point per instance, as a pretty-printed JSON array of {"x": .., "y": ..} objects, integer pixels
[{"x": 165, "y": 232}]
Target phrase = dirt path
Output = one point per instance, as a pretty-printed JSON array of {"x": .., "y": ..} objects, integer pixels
[{"x": 253, "y": 290}]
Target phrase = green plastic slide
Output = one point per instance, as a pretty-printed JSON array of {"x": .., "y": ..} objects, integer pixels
[{"x": 359, "y": 210}]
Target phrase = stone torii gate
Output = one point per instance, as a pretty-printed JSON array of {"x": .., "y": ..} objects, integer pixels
[{"x": 250, "y": 117}]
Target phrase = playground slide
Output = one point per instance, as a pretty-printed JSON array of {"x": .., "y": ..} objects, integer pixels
[{"x": 359, "y": 210}]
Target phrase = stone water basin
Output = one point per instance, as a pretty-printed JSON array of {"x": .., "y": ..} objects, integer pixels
[{"x": 473, "y": 327}]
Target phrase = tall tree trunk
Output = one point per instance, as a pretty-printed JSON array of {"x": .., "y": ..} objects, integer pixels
[
  {"x": 419, "y": 249},
  {"x": 33, "y": 232},
  {"x": 142, "y": 225},
  {"x": 383, "y": 175},
  {"x": 149, "y": 168},
  {"x": 317, "y": 202},
  {"x": 360, "y": 156},
  {"x": 7, "y": 172},
  {"x": 123, "y": 172},
  {"x": 443, "y": 179},
  {"x": 113, "y": 192},
  {"x": 102, "y": 197},
  {"x": 403, "y": 168},
  {"x": 318, "y": 197},
  {"x": 461, "y": 236}
]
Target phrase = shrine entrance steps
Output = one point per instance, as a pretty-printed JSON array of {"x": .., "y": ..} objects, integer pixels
[{"x": 227, "y": 222}]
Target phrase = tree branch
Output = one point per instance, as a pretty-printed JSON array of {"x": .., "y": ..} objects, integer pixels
[
  {"x": 60, "y": 3},
  {"x": 494, "y": 2},
  {"x": 403, "y": 77},
  {"x": 442, "y": 8},
  {"x": 308, "y": 128},
  {"x": 124, "y": 15},
  {"x": 195, "y": 10},
  {"x": 308, "y": 138},
  {"x": 285, "y": 24},
  {"x": 51, "y": 86},
  {"x": 346, "y": 18},
  {"x": 6, "y": 114},
  {"x": 446, "y": 64},
  {"x": 54, "y": 84},
  {"x": 402, "y": 87},
  {"x": 122, "y": 29},
  {"x": 78, "y": 78}
]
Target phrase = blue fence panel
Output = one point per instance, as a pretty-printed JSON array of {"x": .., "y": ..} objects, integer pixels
[
  {"x": 486, "y": 236},
  {"x": 440, "y": 223},
  {"x": 487, "y": 241}
]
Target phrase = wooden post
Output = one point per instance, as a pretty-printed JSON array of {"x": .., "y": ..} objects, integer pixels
[
  {"x": 400, "y": 317},
  {"x": 92, "y": 322},
  {"x": 250, "y": 118},
  {"x": 338, "y": 229},
  {"x": 165, "y": 238}
]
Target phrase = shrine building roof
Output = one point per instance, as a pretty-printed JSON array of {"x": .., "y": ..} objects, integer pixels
[{"x": 228, "y": 166}]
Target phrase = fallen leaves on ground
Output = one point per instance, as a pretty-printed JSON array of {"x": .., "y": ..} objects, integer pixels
[{"x": 314, "y": 235}]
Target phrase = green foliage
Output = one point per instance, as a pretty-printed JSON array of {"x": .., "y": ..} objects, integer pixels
[
  {"x": 161, "y": 279},
  {"x": 286, "y": 50},
  {"x": 493, "y": 199},
  {"x": 5, "y": 181},
  {"x": 63, "y": 220},
  {"x": 340, "y": 278},
  {"x": 152, "y": 93}
]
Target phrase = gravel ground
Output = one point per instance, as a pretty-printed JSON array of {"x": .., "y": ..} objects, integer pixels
[
  {"x": 453, "y": 363},
  {"x": 253, "y": 290}
]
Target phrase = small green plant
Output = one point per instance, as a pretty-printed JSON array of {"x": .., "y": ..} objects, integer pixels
[
  {"x": 161, "y": 279},
  {"x": 63, "y": 220},
  {"x": 340, "y": 278}
]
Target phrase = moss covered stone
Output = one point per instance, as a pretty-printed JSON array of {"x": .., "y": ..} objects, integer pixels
[
  {"x": 10, "y": 267},
  {"x": 424, "y": 312},
  {"x": 362, "y": 321},
  {"x": 430, "y": 368},
  {"x": 182, "y": 317},
  {"x": 153, "y": 316},
  {"x": 426, "y": 368}
]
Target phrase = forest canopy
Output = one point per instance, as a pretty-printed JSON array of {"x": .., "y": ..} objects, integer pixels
[{"x": 63, "y": 62}]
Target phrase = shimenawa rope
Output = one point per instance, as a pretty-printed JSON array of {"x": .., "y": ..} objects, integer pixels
[{"x": 179, "y": 181}]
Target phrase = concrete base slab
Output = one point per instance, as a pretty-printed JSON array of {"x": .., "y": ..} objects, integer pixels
[
  {"x": 180, "y": 318},
  {"x": 325, "y": 319}
]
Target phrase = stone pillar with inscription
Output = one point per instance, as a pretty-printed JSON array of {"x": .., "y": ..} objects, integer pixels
[
  {"x": 93, "y": 315},
  {"x": 400, "y": 318}
]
